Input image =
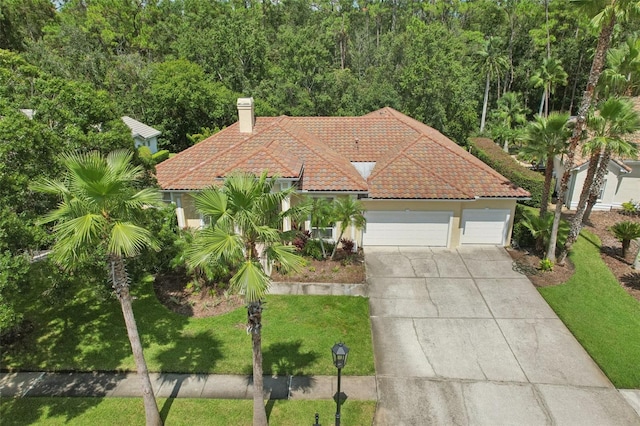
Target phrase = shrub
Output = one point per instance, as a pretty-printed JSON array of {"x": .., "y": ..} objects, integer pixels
[
  {"x": 546, "y": 265},
  {"x": 347, "y": 245},
  {"x": 490, "y": 153},
  {"x": 540, "y": 228},
  {"x": 301, "y": 240},
  {"x": 630, "y": 208}
]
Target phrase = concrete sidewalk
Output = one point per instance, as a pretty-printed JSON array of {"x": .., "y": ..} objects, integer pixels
[{"x": 215, "y": 386}]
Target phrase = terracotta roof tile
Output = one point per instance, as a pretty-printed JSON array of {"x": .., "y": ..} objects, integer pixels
[{"x": 412, "y": 160}]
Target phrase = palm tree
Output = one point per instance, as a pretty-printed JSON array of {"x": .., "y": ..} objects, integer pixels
[
  {"x": 244, "y": 231},
  {"x": 320, "y": 217},
  {"x": 548, "y": 77},
  {"x": 622, "y": 75},
  {"x": 605, "y": 15},
  {"x": 493, "y": 64},
  {"x": 546, "y": 138},
  {"x": 349, "y": 212},
  {"x": 625, "y": 232},
  {"x": 100, "y": 212},
  {"x": 508, "y": 116},
  {"x": 615, "y": 120}
]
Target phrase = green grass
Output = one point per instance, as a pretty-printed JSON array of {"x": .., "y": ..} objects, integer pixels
[
  {"x": 85, "y": 334},
  {"x": 129, "y": 411},
  {"x": 602, "y": 316}
]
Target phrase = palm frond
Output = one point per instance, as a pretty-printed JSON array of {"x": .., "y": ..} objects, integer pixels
[
  {"x": 212, "y": 244},
  {"x": 213, "y": 203},
  {"x": 286, "y": 256},
  {"x": 127, "y": 239},
  {"x": 251, "y": 281}
]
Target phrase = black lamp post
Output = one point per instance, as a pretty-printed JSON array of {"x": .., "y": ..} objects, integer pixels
[{"x": 339, "y": 352}]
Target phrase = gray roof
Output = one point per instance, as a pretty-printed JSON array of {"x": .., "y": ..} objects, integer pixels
[{"x": 140, "y": 129}]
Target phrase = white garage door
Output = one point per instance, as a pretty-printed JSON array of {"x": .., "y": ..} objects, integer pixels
[
  {"x": 407, "y": 228},
  {"x": 484, "y": 226}
]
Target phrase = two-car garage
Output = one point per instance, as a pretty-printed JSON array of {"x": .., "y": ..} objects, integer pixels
[{"x": 436, "y": 228}]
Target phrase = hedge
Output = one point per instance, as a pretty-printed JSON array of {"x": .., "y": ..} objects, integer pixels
[{"x": 493, "y": 155}]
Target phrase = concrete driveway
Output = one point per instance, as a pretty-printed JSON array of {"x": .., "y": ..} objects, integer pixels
[{"x": 461, "y": 339}]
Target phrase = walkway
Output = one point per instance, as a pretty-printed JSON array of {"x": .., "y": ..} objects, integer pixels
[
  {"x": 182, "y": 386},
  {"x": 460, "y": 338}
]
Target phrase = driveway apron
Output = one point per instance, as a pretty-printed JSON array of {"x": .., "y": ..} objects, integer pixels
[{"x": 461, "y": 339}]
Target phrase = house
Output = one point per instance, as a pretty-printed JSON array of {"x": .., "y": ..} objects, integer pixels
[
  {"x": 621, "y": 183},
  {"x": 419, "y": 188},
  {"x": 142, "y": 134}
]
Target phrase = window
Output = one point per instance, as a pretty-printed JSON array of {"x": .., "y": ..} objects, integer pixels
[
  {"x": 601, "y": 194},
  {"x": 326, "y": 232}
]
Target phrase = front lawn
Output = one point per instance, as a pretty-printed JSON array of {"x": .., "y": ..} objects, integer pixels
[
  {"x": 85, "y": 334},
  {"x": 130, "y": 411},
  {"x": 602, "y": 316}
]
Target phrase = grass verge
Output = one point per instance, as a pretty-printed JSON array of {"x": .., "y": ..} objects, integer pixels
[
  {"x": 180, "y": 411},
  {"x": 600, "y": 314},
  {"x": 85, "y": 334}
]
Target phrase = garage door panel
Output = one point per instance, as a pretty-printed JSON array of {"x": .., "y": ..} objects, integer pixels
[
  {"x": 407, "y": 228},
  {"x": 486, "y": 226}
]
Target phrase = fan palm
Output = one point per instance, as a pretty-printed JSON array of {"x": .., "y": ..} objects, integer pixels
[
  {"x": 100, "y": 212},
  {"x": 622, "y": 75},
  {"x": 244, "y": 231},
  {"x": 546, "y": 138},
  {"x": 548, "y": 77},
  {"x": 606, "y": 13},
  {"x": 349, "y": 212},
  {"x": 320, "y": 215},
  {"x": 616, "y": 119}
]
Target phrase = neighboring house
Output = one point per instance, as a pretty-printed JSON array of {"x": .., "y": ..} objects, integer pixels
[
  {"x": 143, "y": 135},
  {"x": 622, "y": 181},
  {"x": 419, "y": 188}
]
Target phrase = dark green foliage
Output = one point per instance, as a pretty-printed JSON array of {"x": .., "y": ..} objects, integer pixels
[
  {"x": 313, "y": 249},
  {"x": 540, "y": 228},
  {"x": 625, "y": 232},
  {"x": 487, "y": 151}
]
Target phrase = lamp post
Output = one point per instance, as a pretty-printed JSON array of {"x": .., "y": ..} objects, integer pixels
[{"x": 339, "y": 352}]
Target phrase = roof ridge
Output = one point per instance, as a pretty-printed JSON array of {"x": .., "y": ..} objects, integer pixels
[
  {"x": 428, "y": 170},
  {"x": 387, "y": 160},
  {"x": 308, "y": 140}
]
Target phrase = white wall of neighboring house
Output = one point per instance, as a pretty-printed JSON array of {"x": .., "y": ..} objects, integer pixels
[
  {"x": 620, "y": 186},
  {"x": 152, "y": 143}
]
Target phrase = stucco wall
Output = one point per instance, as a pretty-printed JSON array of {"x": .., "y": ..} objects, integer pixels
[{"x": 619, "y": 188}]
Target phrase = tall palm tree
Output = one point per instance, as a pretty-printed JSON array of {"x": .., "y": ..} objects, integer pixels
[
  {"x": 616, "y": 119},
  {"x": 494, "y": 64},
  {"x": 549, "y": 76},
  {"x": 244, "y": 231},
  {"x": 606, "y": 13},
  {"x": 509, "y": 115},
  {"x": 349, "y": 212},
  {"x": 546, "y": 138},
  {"x": 100, "y": 212}
]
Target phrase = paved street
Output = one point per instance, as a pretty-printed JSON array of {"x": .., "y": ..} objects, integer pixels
[{"x": 460, "y": 338}]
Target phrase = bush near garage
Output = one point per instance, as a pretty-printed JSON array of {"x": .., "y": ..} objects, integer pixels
[{"x": 490, "y": 153}]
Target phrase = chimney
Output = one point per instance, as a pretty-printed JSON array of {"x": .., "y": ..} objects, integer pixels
[{"x": 246, "y": 117}]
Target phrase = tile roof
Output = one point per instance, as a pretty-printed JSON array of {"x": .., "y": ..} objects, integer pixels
[{"x": 413, "y": 161}]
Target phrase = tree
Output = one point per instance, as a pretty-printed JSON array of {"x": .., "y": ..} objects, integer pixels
[
  {"x": 349, "y": 212},
  {"x": 493, "y": 64},
  {"x": 616, "y": 119},
  {"x": 320, "y": 217},
  {"x": 548, "y": 77},
  {"x": 508, "y": 116},
  {"x": 625, "y": 232},
  {"x": 245, "y": 216},
  {"x": 622, "y": 75},
  {"x": 99, "y": 214},
  {"x": 606, "y": 16},
  {"x": 546, "y": 137}
]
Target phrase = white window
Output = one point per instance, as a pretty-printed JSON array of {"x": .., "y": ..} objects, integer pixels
[
  {"x": 601, "y": 194},
  {"x": 326, "y": 233}
]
